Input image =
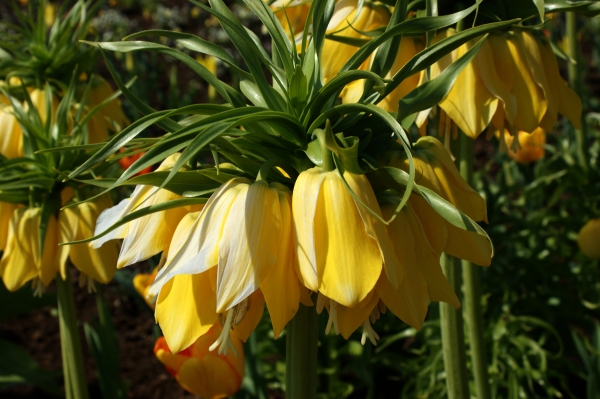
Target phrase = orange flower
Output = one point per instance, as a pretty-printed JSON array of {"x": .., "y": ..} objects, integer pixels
[
  {"x": 531, "y": 146},
  {"x": 126, "y": 162},
  {"x": 201, "y": 371}
]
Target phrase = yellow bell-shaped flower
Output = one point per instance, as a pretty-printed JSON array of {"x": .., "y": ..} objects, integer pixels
[
  {"x": 589, "y": 239},
  {"x": 6, "y": 211},
  {"x": 230, "y": 259},
  {"x": 146, "y": 236},
  {"x": 436, "y": 171},
  {"x": 21, "y": 261},
  {"x": 11, "y": 136},
  {"x": 407, "y": 49},
  {"x": 341, "y": 247},
  {"x": 77, "y": 223},
  {"x": 345, "y": 22},
  {"x": 101, "y": 123}
]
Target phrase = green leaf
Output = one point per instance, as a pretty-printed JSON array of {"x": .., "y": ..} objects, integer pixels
[
  {"x": 226, "y": 91},
  {"x": 17, "y": 367},
  {"x": 432, "y": 92},
  {"x": 386, "y": 178},
  {"x": 194, "y": 43}
]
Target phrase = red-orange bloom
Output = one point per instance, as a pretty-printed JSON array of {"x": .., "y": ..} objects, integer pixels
[{"x": 203, "y": 372}]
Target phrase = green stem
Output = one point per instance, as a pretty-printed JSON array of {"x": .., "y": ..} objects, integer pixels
[
  {"x": 472, "y": 291},
  {"x": 453, "y": 339},
  {"x": 326, "y": 155},
  {"x": 301, "y": 354},
  {"x": 73, "y": 367},
  {"x": 573, "y": 51}
]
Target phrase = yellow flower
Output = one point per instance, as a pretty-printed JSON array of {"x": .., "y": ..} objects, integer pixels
[
  {"x": 341, "y": 247},
  {"x": 436, "y": 171},
  {"x": 589, "y": 239},
  {"x": 11, "y": 134},
  {"x": 100, "y": 125},
  {"x": 408, "y": 48},
  {"x": 531, "y": 146},
  {"x": 513, "y": 82},
  {"x": 202, "y": 372},
  {"x": 423, "y": 282},
  {"x": 21, "y": 262},
  {"x": 292, "y": 15},
  {"x": 245, "y": 231},
  {"x": 142, "y": 283},
  {"x": 371, "y": 16},
  {"x": 11, "y": 137},
  {"x": 77, "y": 223},
  {"x": 146, "y": 236}
]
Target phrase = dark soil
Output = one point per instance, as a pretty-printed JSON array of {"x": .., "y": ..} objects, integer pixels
[{"x": 37, "y": 332}]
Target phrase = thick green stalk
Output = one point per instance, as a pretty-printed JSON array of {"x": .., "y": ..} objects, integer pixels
[
  {"x": 573, "y": 51},
  {"x": 301, "y": 354},
  {"x": 472, "y": 291},
  {"x": 453, "y": 338},
  {"x": 73, "y": 368}
]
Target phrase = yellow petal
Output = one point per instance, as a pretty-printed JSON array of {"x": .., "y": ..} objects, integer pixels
[
  {"x": 493, "y": 79},
  {"x": 472, "y": 116},
  {"x": 197, "y": 248},
  {"x": 11, "y": 136},
  {"x": 433, "y": 224},
  {"x": 468, "y": 245},
  {"x": 6, "y": 211},
  {"x": 249, "y": 244},
  {"x": 211, "y": 377},
  {"x": 531, "y": 102},
  {"x": 569, "y": 103},
  {"x": 280, "y": 286},
  {"x": 99, "y": 264},
  {"x": 532, "y": 146},
  {"x": 348, "y": 259},
  {"x": 360, "y": 185},
  {"x": 410, "y": 300},
  {"x": 407, "y": 49},
  {"x": 17, "y": 262},
  {"x": 589, "y": 239},
  {"x": 349, "y": 319},
  {"x": 186, "y": 309},
  {"x": 536, "y": 66},
  {"x": 371, "y": 16},
  {"x": 252, "y": 316},
  {"x": 304, "y": 208}
]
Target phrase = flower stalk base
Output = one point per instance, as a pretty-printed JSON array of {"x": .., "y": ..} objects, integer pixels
[
  {"x": 72, "y": 355},
  {"x": 301, "y": 354},
  {"x": 453, "y": 339}
]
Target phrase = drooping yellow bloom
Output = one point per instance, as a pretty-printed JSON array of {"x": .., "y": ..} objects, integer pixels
[
  {"x": 146, "y": 236},
  {"x": 202, "y": 372},
  {"x": 345, "y": 22},
  {"x": 100, "y": 125},
  {"x": 589, "y": 239},
  {"x": 21, "y": 261},
  {"x": 436, "y": 171},
  {"x": 229, "y": 259},
  {"x": 341, "y": 247},
  {"x": 77, "y": 223},
  {"x": 11, "y": 134},
  {"x": 530, "y": 146},
  {"x": 407, "y": 49},
  {"x": 11, "y": 140},
  {"x": 513, "y": 83}
]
